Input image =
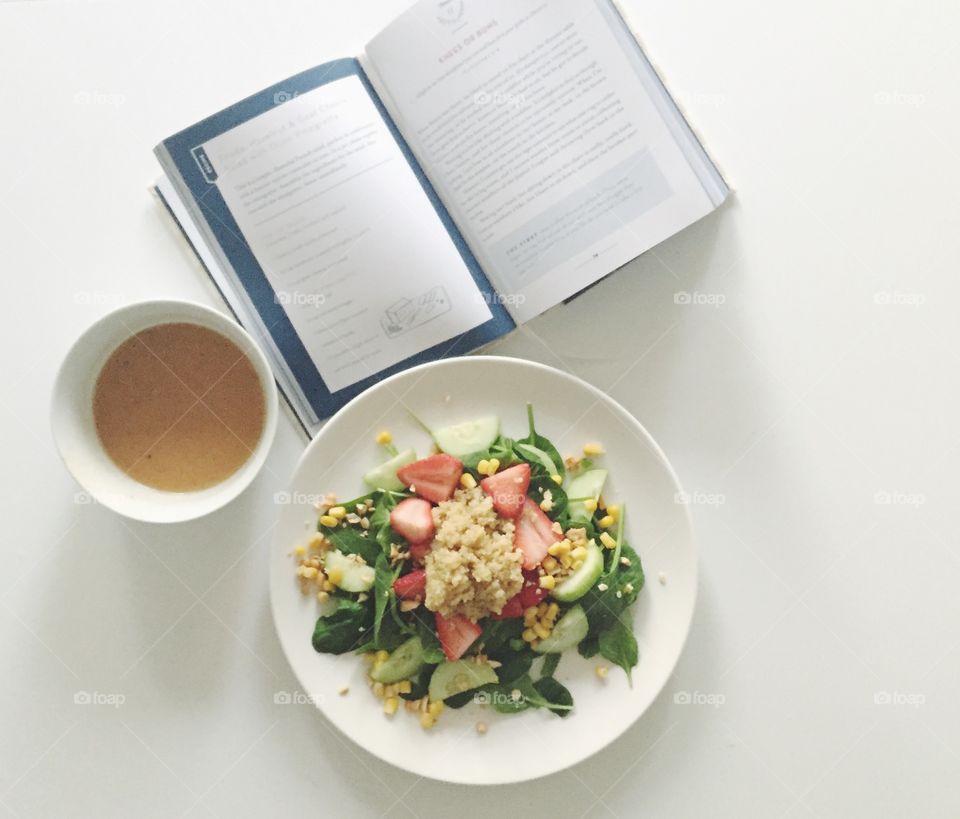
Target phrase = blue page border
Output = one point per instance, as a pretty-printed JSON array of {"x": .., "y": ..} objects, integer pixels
[{"x": 251, "y": 275}]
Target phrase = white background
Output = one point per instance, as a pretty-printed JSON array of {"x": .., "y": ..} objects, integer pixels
[{"x": 808, "y": 398}]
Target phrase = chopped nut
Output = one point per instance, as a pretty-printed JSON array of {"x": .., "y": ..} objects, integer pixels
[
  {"x": 481, "y": 728},
  {"x": 344, "y": 691}
]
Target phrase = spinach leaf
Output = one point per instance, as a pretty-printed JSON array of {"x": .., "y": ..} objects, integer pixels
[
  {"x": 589, "y": 646},
  {"x": 619, "y": 646},
  {"x": 351, "y": 540},
  {"x": 432, "y": 653},
  {"x": 530, "y": 696},
  {"x": 550, "y": 663},
  {"x": 514, "y": 668},
  {"x": 557, "y": 495},
  {"x": 501, "y": 449},
  {"x": 497, "y": 634},
  {"x": 603, "y": 608},
  {"x": 343, "y": 629},
  {"x": 556, "y": 698},
  {"x": 383, "y": 594},
  {"x": 544, "y": 444}
]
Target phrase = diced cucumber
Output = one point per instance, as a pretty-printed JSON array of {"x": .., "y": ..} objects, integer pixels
[
  {"x": 580, "y": 581},
  {"x": 588, "y": 485},
  {"x": 385, "y": 475},
  {"x": 404, "y": 662},
  {"x": 459, "y": 676},
  {"x": 469, "y": 437},
  {"x": 538, "y": 455},
  {"x": 354, "y": 575},
  {"x": 569, "y": 630}
]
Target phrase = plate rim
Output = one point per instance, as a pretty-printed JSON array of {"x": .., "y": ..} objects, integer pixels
[{"x": 601, "y": 396}]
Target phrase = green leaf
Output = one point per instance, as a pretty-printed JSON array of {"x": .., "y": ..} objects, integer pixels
[
  {"x": 540, "y": 442},
  {"x": 352, "y": 540},
  {"x": 420, "y": 684},
  {"x": 383, "y": 594},
  {"x": 619, "y": 646},
  {"x": 343, "y": 629},
  {"x": 556, "y": 698},
  {"x": 514, "y": 668},
  {"x": 530, "y": 696},
  {"x": 557, "y": 494},
  {"x": 497, "y": 634},
  {"x": 589, "y": 646},
  {"x": 550, "y": 663}
]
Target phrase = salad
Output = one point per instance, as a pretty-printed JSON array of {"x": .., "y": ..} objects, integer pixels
[{"x": 465, "y": 575}]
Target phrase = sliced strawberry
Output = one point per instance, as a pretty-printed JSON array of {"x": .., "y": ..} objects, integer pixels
[
  {"x": 412, "y": 519},
  {"x": 531, "y": 593},
  {"x": 457, "y": 634},
  {"x": 534, "y": 534},
  {"x": 433, "y": 478},
  {"x": 418, "y": 551},
  {"x": 411, "y": 585},
  {"x": 513, "y": 608},
  {"x": 508, "y": 489}
]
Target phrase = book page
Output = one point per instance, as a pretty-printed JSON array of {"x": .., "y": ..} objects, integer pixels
[
  {"x": 344, "y": 232},
  {"x": 533, "y": 123}
]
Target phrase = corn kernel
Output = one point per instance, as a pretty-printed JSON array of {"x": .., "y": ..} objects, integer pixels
[
  {"x": 322, "y": 596},
  {"x": 315, "y": 543},
  {"x": 552, "y": 611},
  {"x": 384, "y": 437},
  {"x": 541, "y": 631},
  {"x": 381, "y": 656},
  {"x": 378, "y": 690},
  {"x": 590, "y": 505},
  {"x": 608, "y": 541},
  {"x": 557, "y": 479},
  {"x": 606, "y": 521},
  {"x": 529, "y": 635},
  {"x": 554, "y": 549},
  {"x": 337, "y": 512},
  {"x": 335, "y": 576},
  {"x": 530, "y": 616},
  {"x": 427, "y": 720},
  {"x": 614, "y": 509},
  {"x": 579, "y": 553},
  {"x": 550, "y": 564},
  {"x": 601, "y": 672},
  {"x": 566, "y": 561},
  {"x": 467, "y": 481},
  {"x": 328, "y": 520},
  {"x": 481, "y": 728},
  {"x": 547, "y": 582},
  {"x": 308, "y": 572},
  {"x": 299, "y": 551},
  {"x": 404, "y": 687},
  {"x": 541, "y": 609},
  {"x": 592, "y": 450},
  {"x": 390, "y": 706},
  {"x": 434, "y": 708},
  {"x": 483, "y": 467},
  {"x": 494, "y": 466}
]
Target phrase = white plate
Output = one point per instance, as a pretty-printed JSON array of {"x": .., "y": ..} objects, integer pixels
[{"x": 570, "y": 412}]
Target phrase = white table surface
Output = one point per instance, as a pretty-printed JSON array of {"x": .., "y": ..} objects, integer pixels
[{"x": 808, "y": 398}]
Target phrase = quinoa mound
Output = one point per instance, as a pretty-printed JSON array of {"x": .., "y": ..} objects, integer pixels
[{"x": 472, "y": 567}]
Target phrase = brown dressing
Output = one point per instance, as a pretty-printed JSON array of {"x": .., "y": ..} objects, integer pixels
[{"x": 179, "y": 407}]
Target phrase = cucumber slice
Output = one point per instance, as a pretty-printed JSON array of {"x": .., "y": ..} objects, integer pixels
[
  {"x": 404, "y": 662},
  {"x": 469, "y": 437},
  {"x": 453, "y": 678},
  {"x": 356, "y": 576},
  {"x": 578, "y": 583},
  {"x": 569, "y": 630},
  {"x": 538, "y": 455},
  {"x": 385, "y": 475},
  {"x": 588, "y": 485}
]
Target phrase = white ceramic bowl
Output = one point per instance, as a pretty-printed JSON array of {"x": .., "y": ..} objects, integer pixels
[
  {"x": 76, "y": 436},
  {"x": 570, "y": 412}
]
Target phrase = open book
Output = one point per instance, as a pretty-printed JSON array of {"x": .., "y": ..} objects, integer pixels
[{"x": 479, "y": 163}]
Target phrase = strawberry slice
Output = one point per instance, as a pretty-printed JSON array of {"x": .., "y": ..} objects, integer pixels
[
  {"x": 457, "y": 633},
  {"x": 508, "y": 489},
  {"x": 513, "y": 608},
  {"x": 418, "y": 551},
  {"x": 412, "y": 519},
  {"x": 531, "y": 593},
  {"x": 411, "y": 585},
  {"x": 433, "y": 478},
  {"x": 534, "y": 534}
]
